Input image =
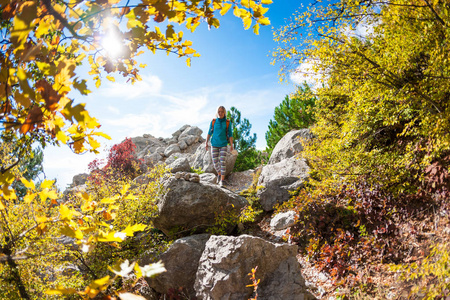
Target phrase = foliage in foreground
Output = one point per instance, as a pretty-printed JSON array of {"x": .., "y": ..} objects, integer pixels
[
  {"x": 70, "y": 246},
  {"x": 44, "y": 45}
]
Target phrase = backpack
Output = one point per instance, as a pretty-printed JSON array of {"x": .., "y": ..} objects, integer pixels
[{"x": 228, "y": 125}]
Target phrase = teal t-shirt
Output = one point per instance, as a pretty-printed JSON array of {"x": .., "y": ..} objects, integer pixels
[{"x": 219, "y": 135}]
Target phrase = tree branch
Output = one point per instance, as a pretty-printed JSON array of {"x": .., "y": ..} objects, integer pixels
[{"x": 435, "y": 13}]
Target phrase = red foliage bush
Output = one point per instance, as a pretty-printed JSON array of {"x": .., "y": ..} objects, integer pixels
[
  {"x": 121, "y": 161},
  {"x": 353, "y": 226}
]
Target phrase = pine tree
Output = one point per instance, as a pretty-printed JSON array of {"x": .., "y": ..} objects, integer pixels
[
  {"x": 30, "y": 168},
  {"x": 295, "y": 112},
  {"x": 243, "y": 142}
]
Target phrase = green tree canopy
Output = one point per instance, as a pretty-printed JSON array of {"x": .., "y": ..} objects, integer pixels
[
  {"x": 295, "y": 112},
  {"x": 243, "y": 141},
  {"x": 30, "y": 168},
  {"x": 383, "y": 109}
]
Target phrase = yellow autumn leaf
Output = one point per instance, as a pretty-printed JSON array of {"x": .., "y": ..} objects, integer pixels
[
  {"x": 28, "y": 184},
  {"x": 93, "y": 143},
  {"x": 189, "y": 50},
  {"x": 102, "y": 134},
  {"x": 22, "y": 24},
  {"x": 226, "y": 7},
  {"x": 112, "y": 237},
  {"x": 28, "y": 198},
  {"x": 245, "y": 3},
  {"x": 266, "y": 1},
  {"x": 110, "y": 200},
  {"x": 66, "y": 213},
  {"x": 62, "y": 137},
  {"x": 2, "y": 206},
  {"x": 46, "y": 184},
  {"x": 60, "y": 290},
  {"x": 130, "y": 230},
  {"x": 264, "y": 21},
  {"x": 41, "y": 219},
  {"x": 256, "y": 29},
  {"x": 22, "y": 99},
  {"x": 247, "y": 22},
  {"x": 137, "y": 271},
  {"x": 46, "y": 193},
  {"x": 125, "y": 189},
  {"x": 100, "y": 282},
  {"x": 73, "y": 233}
]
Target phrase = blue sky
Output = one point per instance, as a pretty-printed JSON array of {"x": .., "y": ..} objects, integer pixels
[{"x": 233, "y": 70}]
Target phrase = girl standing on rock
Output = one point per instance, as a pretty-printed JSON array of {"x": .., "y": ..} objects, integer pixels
[{"x": 222, "y": 134}]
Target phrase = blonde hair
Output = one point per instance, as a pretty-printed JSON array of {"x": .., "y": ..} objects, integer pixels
[{"x": 217, "y": 111}]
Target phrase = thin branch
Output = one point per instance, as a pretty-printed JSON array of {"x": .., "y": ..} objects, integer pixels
[
  {"x": 435, "y": 13},
  {"x": 48, "y": 5}
]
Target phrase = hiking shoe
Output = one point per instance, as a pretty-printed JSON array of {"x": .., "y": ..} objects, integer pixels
[
  {"x": 221, "y": 183},
  {"x": 219, "y": 179}
]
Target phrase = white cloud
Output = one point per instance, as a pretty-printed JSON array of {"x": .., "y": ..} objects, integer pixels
[
  {"x": 114, "y": 110},
  {"x": 149, "y": 85},
  {"x": 362, "y": 30},
  {"x": 61, "y": 163},
  {"x": 305, "y": 73}
]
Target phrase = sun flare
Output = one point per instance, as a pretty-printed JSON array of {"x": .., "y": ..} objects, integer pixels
[{"x": 112, "y": 44}]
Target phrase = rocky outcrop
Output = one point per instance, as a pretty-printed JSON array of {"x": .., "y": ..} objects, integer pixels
[
  {"x": 181, "y": 262},
  {"x": 226, "y": 262},
  {"x": 283, "y": 220},
  {"x": 289, "y": 145},
  {"x": 154, "y": 150},
  {"x": 285, "y": 171},
  {"x": 189, "y": 207},
  {"x": 79, "y": 179},
  {"x": 180, "y": 165}
]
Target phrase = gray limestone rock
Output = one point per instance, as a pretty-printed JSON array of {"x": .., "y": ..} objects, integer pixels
[
  {"x": 180, "y": 165},
  {"x": 283, "y": 220},
  {"x": 181, "y": 262},
  {"x": 174, "y": 148},
  {"x": 289, "y": 145},
  {"x": 227, "y": 260},
  {"x": 189, "y": 206}
]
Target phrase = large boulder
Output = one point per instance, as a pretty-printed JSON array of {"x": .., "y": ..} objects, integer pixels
[
  {"x": 79, "y": 179},
  {"x": 226, "y": 261},
  {"x": 180, "y": 165},
  {"x": 181, "y": 262},
  {"x": 202, "y": 160},
  {"x": 173, "y": 148},
  {"x": 283, "y": 220},
  {"x": 279, "y": 179},
  {"x": 285, "y": 171},
  {"x": 193, "y": 207},
  {"x": 289, "y": 145},
  {"x": 190, "y": 131}
]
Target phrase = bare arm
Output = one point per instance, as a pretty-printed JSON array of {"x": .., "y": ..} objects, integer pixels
[{"x": 207, "y": 141}]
